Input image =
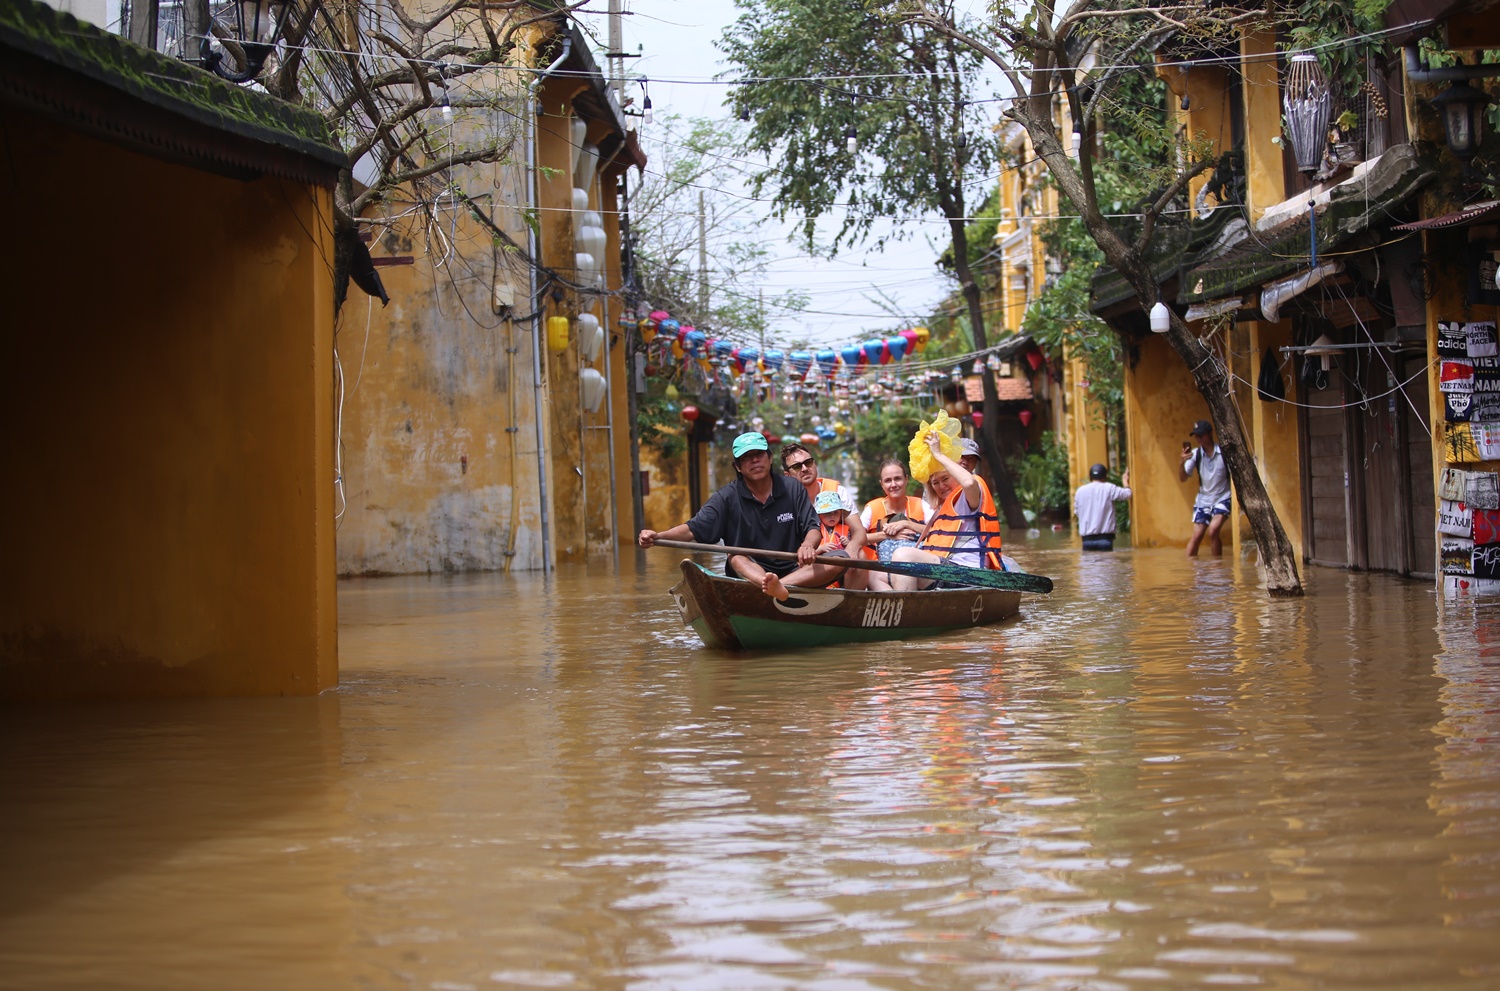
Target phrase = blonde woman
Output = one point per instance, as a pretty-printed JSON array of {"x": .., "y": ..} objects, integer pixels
[{"x": 891, "y": 521}]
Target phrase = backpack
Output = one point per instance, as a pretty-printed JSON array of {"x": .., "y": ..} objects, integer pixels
[{"x": 1269, "y": 386}]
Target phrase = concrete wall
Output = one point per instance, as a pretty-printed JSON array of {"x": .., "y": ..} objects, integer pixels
[{"x": 168, "y": 378}]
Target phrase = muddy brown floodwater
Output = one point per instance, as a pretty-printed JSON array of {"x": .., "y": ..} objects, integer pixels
[{"x": 1155, "y": 778}]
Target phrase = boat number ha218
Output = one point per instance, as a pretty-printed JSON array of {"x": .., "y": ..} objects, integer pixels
[{"x": 883, "y": 612}]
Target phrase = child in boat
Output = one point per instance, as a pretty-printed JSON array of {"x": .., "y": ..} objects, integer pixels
[{"x": 834, "y": 519}]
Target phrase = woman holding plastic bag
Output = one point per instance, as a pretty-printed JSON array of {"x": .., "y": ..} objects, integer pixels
[{"x": 965, "y": 529}]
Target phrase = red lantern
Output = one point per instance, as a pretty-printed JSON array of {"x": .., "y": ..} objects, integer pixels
[
  {"x": 690, "y": 413},
  {"x": 961, "y": 408},
  {"x": 1025, "y": 415},
  {"x": 1034, "y": 359},
  {"x": 773, "y": 438},
  {"x": 808, "y": 440},
  {"x": 978, "y": 419}
]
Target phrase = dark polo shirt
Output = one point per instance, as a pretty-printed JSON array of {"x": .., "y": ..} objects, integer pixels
[{"x": 736, "y": 517}]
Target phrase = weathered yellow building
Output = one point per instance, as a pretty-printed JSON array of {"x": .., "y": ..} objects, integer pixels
[
  {"x": 168, "y": 511},
  {"x": 447, "y": 466}
]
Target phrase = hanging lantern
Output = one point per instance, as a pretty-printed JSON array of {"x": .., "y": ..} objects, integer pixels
[
  {"x": 978, "y": 419},
  {"x": 774, "y": 360},
  {"x": 671, "y": 392},
  {"x": 1034, "y": 359},
  {"x": 669, "y": 327},
  {"x": 647, "y": 327},
  {"x": 828, "y": 361},
  {"x": 957, "y": 375},
  {"x": 961, "y": 408},
  {"x": 896, "y": 346},
  {"x": 696, "y": 341},
  {"x": 993, "y": 362},
  {"x": 922, "y": 335},
  {"x": 809, "y": 440},
  {"x": 1462, "y": 107},
  {"x": 678, "y": 351},
  {"x": 1025, "y": 417},
  {"x": 1307, "y": 105},
  {"x": 978, "y": 367},
  {"x": 594, "y": 388},
  {"x": 911, "y": 340},
  {"x": 557, "y": 334},
  {"x": 590, "y": 337},
  {"x": 873, "y": 349},
  {"x": 690, "y": 413}
]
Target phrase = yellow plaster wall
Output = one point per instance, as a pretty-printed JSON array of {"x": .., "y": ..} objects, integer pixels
[
  {"x": 1274, "y": 436},
  {"x": 1262, "y": 93},
  {"x": 1084, "y": 432},
  {"x": 168, "y": 506},
  {"x": 1161, "y": 405}
]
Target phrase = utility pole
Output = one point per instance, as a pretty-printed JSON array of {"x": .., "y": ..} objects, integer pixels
[
  {"x": 616, "y": 62},
  {"x": 702, "y": 259}
]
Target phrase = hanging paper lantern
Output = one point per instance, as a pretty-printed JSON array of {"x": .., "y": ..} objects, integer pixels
[
  {"x": 694, "y": 340},
  {"x": 774, "y": 360},
  {"x": 1025, "y": 417},
  {"x": 771, "y": 438},
  {"x": 873, "y": 349},
  {"x": 749, "y": 357},
  {"x": 911, "y": 340},
  {"x": 670, "y": 392},
  {"x": 706, "y": 365},
  {"x": 593, "y": 386},
  {"x": 957, "y": 375},
  {"x": 800, "y": 361},
  {"x": 690, "y": 413},
  {"x": 961, "y": 408},
  {"x": 922, "y": 335},
  {"x": 978, "y": 419},
  {"x": 678, "y": 351},
  {"x": 1034, "y": 359},
  {"x": 897, "y": 347},
  {"x": 557, "y": 334},
  {"x": 648, "y": 327},
  {"x": 852, "y": 355},
  {"x": 722, "y": 348},
  {"x": 841, "y": 428},
  {"x": 809, "y": 440},
  {"x": 669, "y": 328},
  {"x": 828, "y": 361}
]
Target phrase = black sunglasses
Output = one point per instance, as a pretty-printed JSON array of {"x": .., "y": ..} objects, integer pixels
[{"x": 799, "y": 465}]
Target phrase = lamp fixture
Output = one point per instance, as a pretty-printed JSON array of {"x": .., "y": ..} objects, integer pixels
[
  {"x": 851, "y": 139},
  {"x": 1462, "y": 109},
  {"x": 1307, "y": 104},
  {"x": 1325, "y": 349},
  {"x": 1161, "y": 318},
  {"x": 645, "y": 102},
  {"x": 249, "y": 29}
]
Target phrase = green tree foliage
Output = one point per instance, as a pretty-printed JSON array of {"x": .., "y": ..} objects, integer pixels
[
  {"x": 906, "y": 94},
  {"x": 1042, "y": 476}
]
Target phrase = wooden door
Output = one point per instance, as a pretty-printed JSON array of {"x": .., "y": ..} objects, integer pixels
[{"x": 1325, "y": 473}]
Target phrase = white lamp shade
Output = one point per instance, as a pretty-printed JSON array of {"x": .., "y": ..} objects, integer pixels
[
  {"x": 588, "y": 161},
  {"x": 590, "y": 337},
  {"x": 1324, "y": 348},
  {"x": 580, "y": 200},
  {"x": 1161, "y": 318},
  {"x": 593, "y": 389},
  {"x": 583, "y": 263},
  {"x": 592, "y": 218},
  {"x": 578, "y": 131}
]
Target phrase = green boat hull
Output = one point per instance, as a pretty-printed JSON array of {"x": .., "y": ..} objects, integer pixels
[{"x": 732, "y": 614}]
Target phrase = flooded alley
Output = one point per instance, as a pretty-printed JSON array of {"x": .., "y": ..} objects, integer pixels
[{"x": 1154, "y": 778}]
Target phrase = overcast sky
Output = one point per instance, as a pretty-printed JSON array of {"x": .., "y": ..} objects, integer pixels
[{"x": 676, "y": 39}]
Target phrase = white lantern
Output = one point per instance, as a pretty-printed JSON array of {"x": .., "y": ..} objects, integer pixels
[
  {"x": 590, "y": 337},
  {"x": 580, "y": 201},
  {"x": 1161, "y": 318},
  {"x": 588, "y": 161},
  {"x": 593, "y": 389}
]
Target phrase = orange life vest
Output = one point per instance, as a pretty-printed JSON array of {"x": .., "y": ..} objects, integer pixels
[
  {"x": 947, "y": 523},
  {"x": 878, "y": 512},
  {"x": 837, "y": 535}
]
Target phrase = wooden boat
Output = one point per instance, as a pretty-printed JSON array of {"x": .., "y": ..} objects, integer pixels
[{"x": 732, "y": 614}]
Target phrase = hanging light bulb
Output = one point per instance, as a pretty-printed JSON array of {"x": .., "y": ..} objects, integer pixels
[
  {"x": 645, "y": 101},
  {"x": 851, "y": 139},
  {"x": 445, "y": 106}
]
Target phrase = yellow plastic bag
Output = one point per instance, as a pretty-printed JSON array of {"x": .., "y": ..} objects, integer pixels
[{"x": 923, "y": 464}]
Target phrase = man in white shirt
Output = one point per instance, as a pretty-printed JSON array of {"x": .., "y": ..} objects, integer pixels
[
  {"x": 1211, "y": 507},
  {"x": 1094, "y": 504}
]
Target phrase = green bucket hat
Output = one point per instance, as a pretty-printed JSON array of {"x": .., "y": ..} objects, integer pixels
[{"x": 745, "y": 443}]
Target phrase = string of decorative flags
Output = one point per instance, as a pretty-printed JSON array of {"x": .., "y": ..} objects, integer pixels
[{"x": 854, "y": 377}]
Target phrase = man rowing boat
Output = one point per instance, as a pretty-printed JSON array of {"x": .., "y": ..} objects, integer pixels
[{"x": 759, "y": 510}]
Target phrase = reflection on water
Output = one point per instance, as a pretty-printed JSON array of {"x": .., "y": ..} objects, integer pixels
[{"x": 1155, "y": 778}]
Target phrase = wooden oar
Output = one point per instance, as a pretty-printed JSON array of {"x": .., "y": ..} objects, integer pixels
[{"x": 1012, "y": 581}]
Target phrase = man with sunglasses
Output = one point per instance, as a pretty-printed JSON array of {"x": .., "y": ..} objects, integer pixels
[
  {"x": 763, "y": 510},
  {"x": 800, "y": 464}
]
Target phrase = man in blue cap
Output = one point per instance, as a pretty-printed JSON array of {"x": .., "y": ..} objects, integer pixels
[{"x": 760, "y": 510}]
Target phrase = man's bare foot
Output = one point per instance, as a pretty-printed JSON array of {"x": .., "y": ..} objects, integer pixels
[{"x": 771, "y": 585}]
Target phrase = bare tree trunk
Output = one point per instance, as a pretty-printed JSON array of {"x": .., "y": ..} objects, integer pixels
[{"x": 989, "y": 430}]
